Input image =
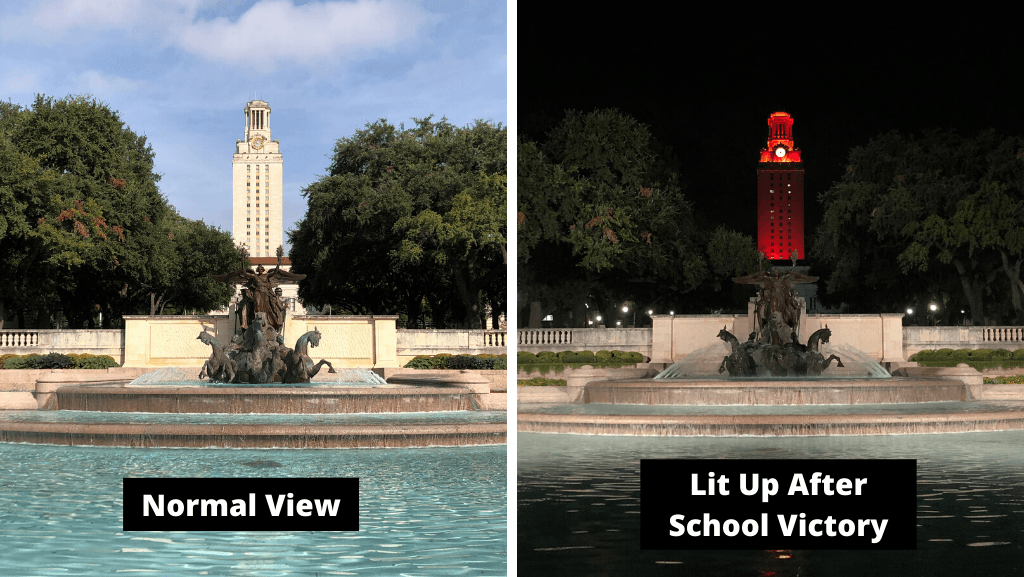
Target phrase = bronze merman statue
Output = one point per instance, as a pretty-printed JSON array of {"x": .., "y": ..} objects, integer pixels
[{"x": 261, "y": 294}]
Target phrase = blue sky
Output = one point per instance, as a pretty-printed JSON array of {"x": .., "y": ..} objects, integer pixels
[{"x": 181, "y": 71}]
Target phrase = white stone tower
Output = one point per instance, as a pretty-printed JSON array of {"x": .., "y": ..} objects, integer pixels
[{"x": 257, "y": 185}]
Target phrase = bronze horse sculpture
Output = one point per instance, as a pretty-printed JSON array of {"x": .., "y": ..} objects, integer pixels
[
  {"x": 774, "y": 357},
  {"x": 817, "y": 361},
  {"x": 300, "y": 368},
  {"x": 219, "y": 368},
  {"x": 739, "y": 362}
]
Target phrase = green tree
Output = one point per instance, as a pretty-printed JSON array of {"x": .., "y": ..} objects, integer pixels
[
  {"x": 408, "y": 221},
  {"x": 87, "y": 230},
  {"x": 602, "y": 218},
  {"x": 927, "y": 218}
]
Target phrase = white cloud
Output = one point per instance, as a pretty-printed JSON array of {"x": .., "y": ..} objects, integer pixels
[
  {"x": 270, "y": 32},
  {"x": 54, "y": 20},
  {"x": 277, "y": 31}
]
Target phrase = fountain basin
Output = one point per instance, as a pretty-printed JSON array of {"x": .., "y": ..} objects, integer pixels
[
  {"x": 657, "y": 421},
  {"x": 263, "y": 399},
  {"x": 253, "y": 435},
  {"x": 821, "y": 391}
]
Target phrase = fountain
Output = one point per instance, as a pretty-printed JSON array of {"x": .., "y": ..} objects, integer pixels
[
  {"x": 579, "y": 492},
  {"x": 773, "y": 383},
  {"x": 262, "y": 394}
]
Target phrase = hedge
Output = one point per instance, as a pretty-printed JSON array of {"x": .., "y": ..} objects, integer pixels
[
  {"x": 541, "y": 382},
  {"x": 978, "y": 358},
  {"x": 458, "y": 362},
  {"x": 1014, "y": 380},
  {"x": 57, "y": 361},
  {"x": 545, "y": 361}
]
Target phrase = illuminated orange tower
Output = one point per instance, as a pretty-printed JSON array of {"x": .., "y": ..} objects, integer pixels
[{"x": 780, "y": 192}]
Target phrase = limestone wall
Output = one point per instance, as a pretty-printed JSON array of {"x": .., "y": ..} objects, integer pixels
[
  {"x": 676, "y": 336},
  {"x": 347, "y": 342},
  {"x": 167, "y": 340}
]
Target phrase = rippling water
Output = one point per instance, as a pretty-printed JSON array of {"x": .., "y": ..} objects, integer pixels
[
  {"x": 579, "y": 506},
  {"x": 435, "y": 511}
]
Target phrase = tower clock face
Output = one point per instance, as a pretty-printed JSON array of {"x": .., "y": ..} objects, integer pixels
[
  {"x": 780, "y": 152},
  {"x": 257, "y": 142}
]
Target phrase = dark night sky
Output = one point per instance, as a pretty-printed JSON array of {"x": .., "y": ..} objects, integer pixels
[{"x": 707, "y": 92}]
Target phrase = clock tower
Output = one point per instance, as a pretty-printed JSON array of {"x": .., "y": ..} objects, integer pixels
[
  {"x": 780, "y": 192},
  {"x": 257, "y": 185}
]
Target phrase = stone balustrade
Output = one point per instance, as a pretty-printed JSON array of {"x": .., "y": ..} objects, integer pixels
[
  {"x": 630, "y": 340},
  {"x": 40, "y": 341},
  {"x": 494, "y": 339},
  {"x": 1003, "y": 335},
  {"x": 931, "y": 338},
  {"x": 413, "y": 342}
]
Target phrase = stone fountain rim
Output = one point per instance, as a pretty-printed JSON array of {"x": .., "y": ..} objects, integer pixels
[
  {"x": 780, "y": 382},
  {"x": 262, "y": 390}
]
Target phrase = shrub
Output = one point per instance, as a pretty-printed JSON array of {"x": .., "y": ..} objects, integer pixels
[
  {"x": 468, "y": 362},
  {"x": 1002, "y": 354},
  {"x": 541, "y": 382},
  {"x": 95, "y": 362},
  {"x": 55, "y": 361},
  {"x": 419, "y": 362},
  {"x": 459, "y": 362},
  {"x": 1018, "y": 354},
  {"x": 21, "y": 362},
  {"x": 980, "y": 354},
  {"x": 547, "y": 357},
  {"x": 604, "y": 355},
  {"x": 586, "y": 357},
  {"x": 523, "y": 357}
]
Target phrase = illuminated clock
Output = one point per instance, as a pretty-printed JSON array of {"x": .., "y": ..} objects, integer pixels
[
  {"x": 780, "y": 151},
  {"x": 257, "y": 142}
]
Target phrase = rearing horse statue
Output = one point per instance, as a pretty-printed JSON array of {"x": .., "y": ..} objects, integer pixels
[
  {"x": 817, "y": 362},
  {"x": 739, "y": 362},
  {"x": 218, "y": 367},
  {"x": 300, "y": 368}
]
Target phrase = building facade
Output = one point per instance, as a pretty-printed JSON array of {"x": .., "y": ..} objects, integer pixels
[
  {"x": 780, "y": 192},
  {"x": 257, "y": 185}
]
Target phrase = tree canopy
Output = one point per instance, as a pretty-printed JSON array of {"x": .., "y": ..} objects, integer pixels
[
  {"x": 603, "y": 219},
  {"x": 84, "y": 229},
  {"x": 934, "y": 219},
  {"x": 409, "y": 221}
]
